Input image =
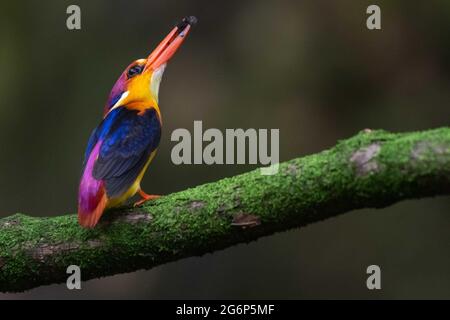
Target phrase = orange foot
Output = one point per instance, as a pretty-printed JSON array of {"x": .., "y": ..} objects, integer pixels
[{"x": 145, "y": 198}]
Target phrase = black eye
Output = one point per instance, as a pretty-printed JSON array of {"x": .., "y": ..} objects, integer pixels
[{"x": 134, "y": 70}]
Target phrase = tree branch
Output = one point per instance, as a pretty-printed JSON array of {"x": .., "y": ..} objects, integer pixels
[{"x": 372, "y": 169}]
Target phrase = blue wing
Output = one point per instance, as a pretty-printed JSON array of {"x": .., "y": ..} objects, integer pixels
[
  {"x": 101, "y": 131},
  {"x": 128, "y": 139}
]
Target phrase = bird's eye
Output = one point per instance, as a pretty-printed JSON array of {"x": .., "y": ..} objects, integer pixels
[{"x": 134, "y": 70}]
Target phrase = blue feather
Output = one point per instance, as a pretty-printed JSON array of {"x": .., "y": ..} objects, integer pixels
[
  {"x": 128, "y": 139},
  {"x": 100, "y": 132}
]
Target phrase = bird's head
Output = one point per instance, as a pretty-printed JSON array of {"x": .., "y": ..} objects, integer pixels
[{"x": 138, "y": 85}]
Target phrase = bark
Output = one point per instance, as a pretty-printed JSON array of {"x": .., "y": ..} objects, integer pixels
[{"x": 372, "y": 169}]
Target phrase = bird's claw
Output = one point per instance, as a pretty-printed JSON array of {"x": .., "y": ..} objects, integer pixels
[{"x": 145, "y": 198}]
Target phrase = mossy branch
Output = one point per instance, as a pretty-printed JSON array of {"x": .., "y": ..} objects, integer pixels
[{"x": 372, "y": 169}]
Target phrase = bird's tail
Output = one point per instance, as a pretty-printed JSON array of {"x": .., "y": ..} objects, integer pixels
[
  {"x": 89, "y": 219},
  {"x": 92, "y": 198}
]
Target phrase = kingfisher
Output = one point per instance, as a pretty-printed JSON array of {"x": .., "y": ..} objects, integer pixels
[{"x": 122, "y": 146}]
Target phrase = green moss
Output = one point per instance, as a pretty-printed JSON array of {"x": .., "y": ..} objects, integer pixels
[{"x": 389, "y": 167}]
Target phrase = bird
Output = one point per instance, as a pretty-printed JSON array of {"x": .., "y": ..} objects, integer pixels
[{"x": 122, "y": 146}]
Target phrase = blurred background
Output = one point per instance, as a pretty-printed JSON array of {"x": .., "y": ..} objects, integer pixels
[{"x": 310, "y": 68}]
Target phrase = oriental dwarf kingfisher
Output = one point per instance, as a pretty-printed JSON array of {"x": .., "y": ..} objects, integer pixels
[{"x": 121, "y": 148}]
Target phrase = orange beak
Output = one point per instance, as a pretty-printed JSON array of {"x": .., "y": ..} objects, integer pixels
[{"x": 167, "y": 48}]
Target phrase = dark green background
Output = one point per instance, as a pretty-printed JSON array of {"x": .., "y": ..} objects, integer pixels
[{"x": 310, "y": 68}]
